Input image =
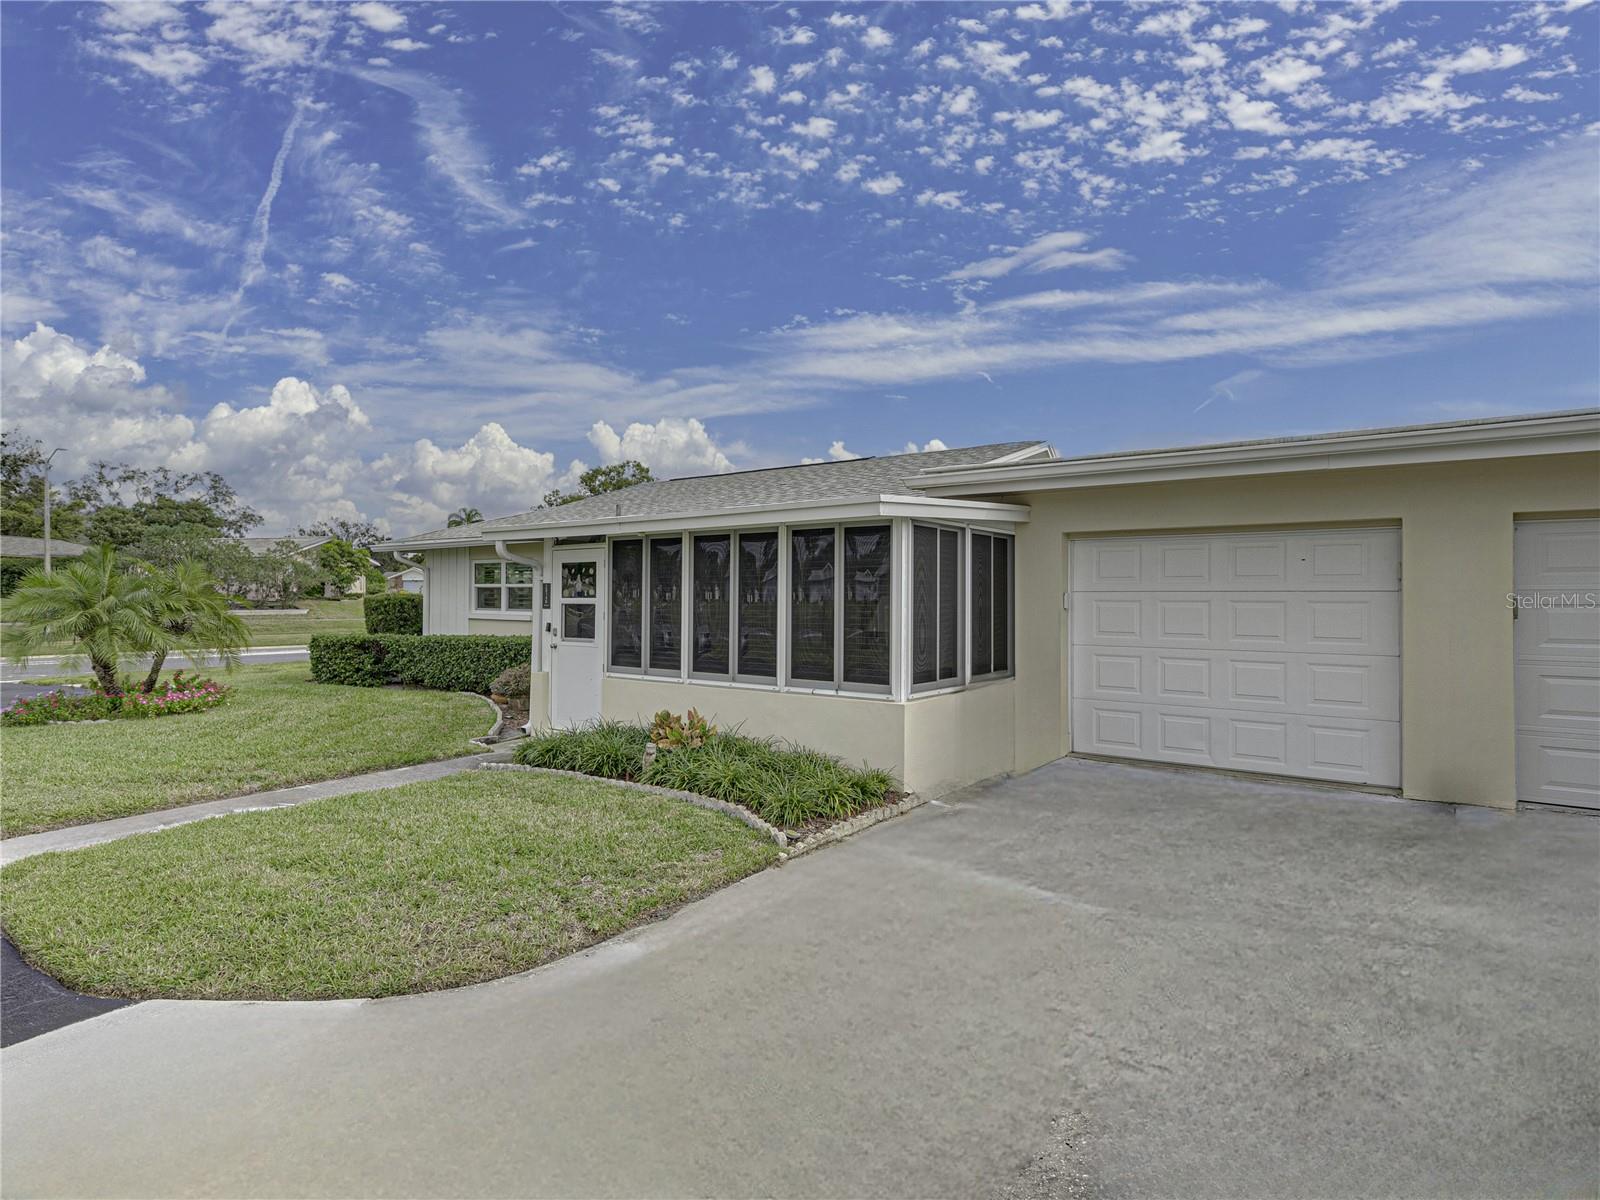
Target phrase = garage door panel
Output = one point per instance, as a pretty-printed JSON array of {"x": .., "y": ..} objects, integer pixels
[
  {"x": 1556, "y": 644},
  {"x": 1359, "y": 560},
  {"x": 1313, "y": 747},
  {"x": 1557, "y": 770},
  {"x": 1338, "y": 622},
  {"x": 1364, "y": 687},
  {"x": 1557, "y": 556}
]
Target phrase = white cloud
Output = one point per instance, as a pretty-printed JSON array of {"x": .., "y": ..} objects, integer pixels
[
  {"x": 884, "y": 185},
  {"x": 1523, "y": 95},
  {"x": 1025, "y": 121},
  {"x": 405, "y": 45},
  {"x": 1286, "y": 73},
  {"x": 820, "y": 128},
  {"x": 876, "y": 38},
  {"x": 950, "y": 201},
  {"x": 927, "y": 447},
  {"x": 1051, "y": 252},
  {"x": 1253, "y": 116},
  {"x": 672, "y": 447},
  {"x": 762, "y": 80},
  {"x": 380, "y": 17}
]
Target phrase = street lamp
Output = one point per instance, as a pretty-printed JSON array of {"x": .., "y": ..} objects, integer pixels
[{"x": 53, "y": 453}]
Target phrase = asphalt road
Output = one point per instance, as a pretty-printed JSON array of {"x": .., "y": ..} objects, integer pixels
[{"x": 49, "y": 666}]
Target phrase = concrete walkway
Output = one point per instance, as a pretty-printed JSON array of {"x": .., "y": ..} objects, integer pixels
[
  {"x": 75, "y": 836},
  {"x": 1089, "y": 981}
]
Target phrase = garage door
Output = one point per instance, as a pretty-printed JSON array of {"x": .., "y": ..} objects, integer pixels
[
  {"x": 1277, "y": 653},
  {"x": 1557, "y": 646}
]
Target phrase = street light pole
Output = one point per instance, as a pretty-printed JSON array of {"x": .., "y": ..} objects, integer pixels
[{"x": 53, "y": 453}]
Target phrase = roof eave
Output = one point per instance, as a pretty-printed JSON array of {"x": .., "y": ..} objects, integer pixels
[
  {"x": 1563, "y": 433},
  {"x": 931, "y": 508}
]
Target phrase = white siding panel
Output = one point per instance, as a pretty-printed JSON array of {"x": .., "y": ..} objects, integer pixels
[
  {"x": 1557, "y": 670},
  {"x": 1277, "y": 653},
  {"x": 449, "y": 588}
]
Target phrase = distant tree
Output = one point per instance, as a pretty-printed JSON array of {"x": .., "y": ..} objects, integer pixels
[
  {"x": 463, "y": 516},
  {"x": 279, "y": 575},
  {"x": 22, "y": 492},
  {"x": 342, "y": 563},
  {"x": 358, "y": 533},
  {"x": 123, "y": 502},
  {"x": 599, "y": 480},
  {"x": 188, "y": 604}
]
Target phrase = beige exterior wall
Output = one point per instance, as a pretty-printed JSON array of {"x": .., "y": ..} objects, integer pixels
[
  {"x": 957, "y": 738},
  {"x": 1457, "y": 708}
]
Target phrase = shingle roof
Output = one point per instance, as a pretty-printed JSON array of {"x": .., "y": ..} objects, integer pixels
[
  {"x": 32, "y": 547},
  {"x": 888, "y": 475}
]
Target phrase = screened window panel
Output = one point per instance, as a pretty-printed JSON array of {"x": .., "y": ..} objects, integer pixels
[
  {"x": 949, "y": 604},
  {"x": 925, "y": 596},
  {"x": 666, "y": 607},
  {"x": 867, "y": 605},
  {"x": 519, "y": 573},
  {"x": 486, "y": 572},
  {"x": 488, "y": 597},
  {"x": 982, "y": 623},
  {"x": 519, "y": 599},
  {"x": 711, "y": 603},
  {"x": 578, "y": 621},
  {"x": 811, "y": 604},
  {"x": 1002, "y": 604},
  {"x": 627, "y": 604},
  {"x": 758, "y": 605}
]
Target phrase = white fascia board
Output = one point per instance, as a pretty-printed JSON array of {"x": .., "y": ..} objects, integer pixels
[
  {"x": 925, "y": 508},
  {"x": 1567, "y": 433}
]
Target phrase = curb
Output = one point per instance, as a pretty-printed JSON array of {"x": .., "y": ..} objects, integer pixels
[
  {"x": 493, "y": 735},
  {"x": 836, "y": 832}
]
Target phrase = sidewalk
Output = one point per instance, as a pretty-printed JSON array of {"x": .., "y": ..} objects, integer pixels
[{"x": 75, "y": 836}]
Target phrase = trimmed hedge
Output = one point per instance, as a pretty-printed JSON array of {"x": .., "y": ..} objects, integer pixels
[
  {"x": 392, "y": 612},
  {"x": 447, "y": 661}
]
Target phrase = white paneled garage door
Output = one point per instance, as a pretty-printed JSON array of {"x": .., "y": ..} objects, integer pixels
[
  {"x": 1557, "y": 644},
  {"x": 1277, "y": 653}
]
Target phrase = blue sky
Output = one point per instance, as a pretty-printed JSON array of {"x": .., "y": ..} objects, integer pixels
[{"x": 386, "y": 259}]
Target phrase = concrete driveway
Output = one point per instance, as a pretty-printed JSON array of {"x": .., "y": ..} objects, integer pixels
[{"x": 1090, "y": 981}]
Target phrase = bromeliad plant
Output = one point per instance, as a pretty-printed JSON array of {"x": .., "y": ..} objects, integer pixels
[{"x": 668, "y": 731}]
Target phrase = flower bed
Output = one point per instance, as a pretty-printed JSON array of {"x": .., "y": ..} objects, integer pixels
[
  {"x": 180, "y": 694},
  {"x": 791, "y": 787}
]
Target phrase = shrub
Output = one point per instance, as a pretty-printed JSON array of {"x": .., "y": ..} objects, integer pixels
[
  {"x": 448, "y": 662},
  {"x": 178, "y": 695},
  {"x": 393, "y": 612},
  {"x": 514, "y": 682},
  {"x": 668, "y": 731},
  {"x": 788, "y": 786},
  {"x": 612, "y": 749},
  {"x": 51, "y": 707}
]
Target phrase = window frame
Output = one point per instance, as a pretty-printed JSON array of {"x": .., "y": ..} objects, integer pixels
[
  {"x": 612, "y": 624},
  {"x": 962, "y": 634},
  {"x": 731, "y": 601},
  {"x": 650, "y": 668},
  {"x": 503, "y": 613},
  {"x": 735, "y": 624},
  {"x": 974, "y": 532},
  {"x": 838, "y": 685}
]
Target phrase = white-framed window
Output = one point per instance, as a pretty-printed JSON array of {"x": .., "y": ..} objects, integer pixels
[
  {"x": 937, "y": 599},
  {"x": 990, "y": 606},
  {"x": 501, "y": 588}
]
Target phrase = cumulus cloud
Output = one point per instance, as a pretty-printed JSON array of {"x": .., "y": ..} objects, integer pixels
[
  {"x": 380, "y": 17},
  {"x": 884, "y": 185},
  {"x": 672, "y": 447},
  {"x": 763, "y": 80}
]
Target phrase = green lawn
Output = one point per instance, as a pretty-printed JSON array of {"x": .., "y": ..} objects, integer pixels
[
  {"x": 278, "y": 729},
  {"x": 427, "y": 886},
  {"x": 325, "y": 616}
]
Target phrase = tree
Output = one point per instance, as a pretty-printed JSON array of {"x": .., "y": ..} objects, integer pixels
[
  {"x": 22, "y": 477},
  {"x": 599, "y": 480},
  {"x": 279, "y": 574},
  {"x": 123, "y": 501},
  {"x": 342, "y": 562},
  {"x": 96, "y": 606},
  {"x": 187, "y": 603},
  {"x": 464, "y": 516},
  {"x": 358, "y": 533}
]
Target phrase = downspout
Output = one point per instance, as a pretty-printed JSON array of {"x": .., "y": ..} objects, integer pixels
[{"x": 535, "y": 634}]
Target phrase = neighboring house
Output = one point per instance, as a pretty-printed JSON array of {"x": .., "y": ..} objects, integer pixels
[
  {"x": 1409, "y": 609},
  {"x": 307, "y": 550},
  {"x": 32, "y": 547},
  {"x": 408, "y": 580}
]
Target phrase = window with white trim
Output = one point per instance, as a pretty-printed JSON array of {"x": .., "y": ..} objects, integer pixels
[{"x": 499, "y": 586}]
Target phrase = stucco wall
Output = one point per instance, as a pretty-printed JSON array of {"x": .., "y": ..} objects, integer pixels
[
  {"x": 859, "y": 731},
  {"x": 1457, "y": 708},
  {"x": 960, "y": 737}
]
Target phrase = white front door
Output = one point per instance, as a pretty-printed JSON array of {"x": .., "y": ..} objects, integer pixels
[
  {"x": 1269, "y": 652},
  {"x": 577, "y": 634},
  {"x": 1557, "y": 646}
]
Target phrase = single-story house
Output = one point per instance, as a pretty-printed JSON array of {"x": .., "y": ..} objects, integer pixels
[
  {"x": 306, "y": 548},
  {"x": 408, "y": 580},
  {"x": 1413, "y": 609},
  {"x": 12, "y": 546}
]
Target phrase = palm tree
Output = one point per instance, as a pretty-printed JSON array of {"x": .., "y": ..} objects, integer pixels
[
  {"x": 195, "y": 617},
  {"x": 97, "y": 608},
  {"x": 464, "y": 516}
]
